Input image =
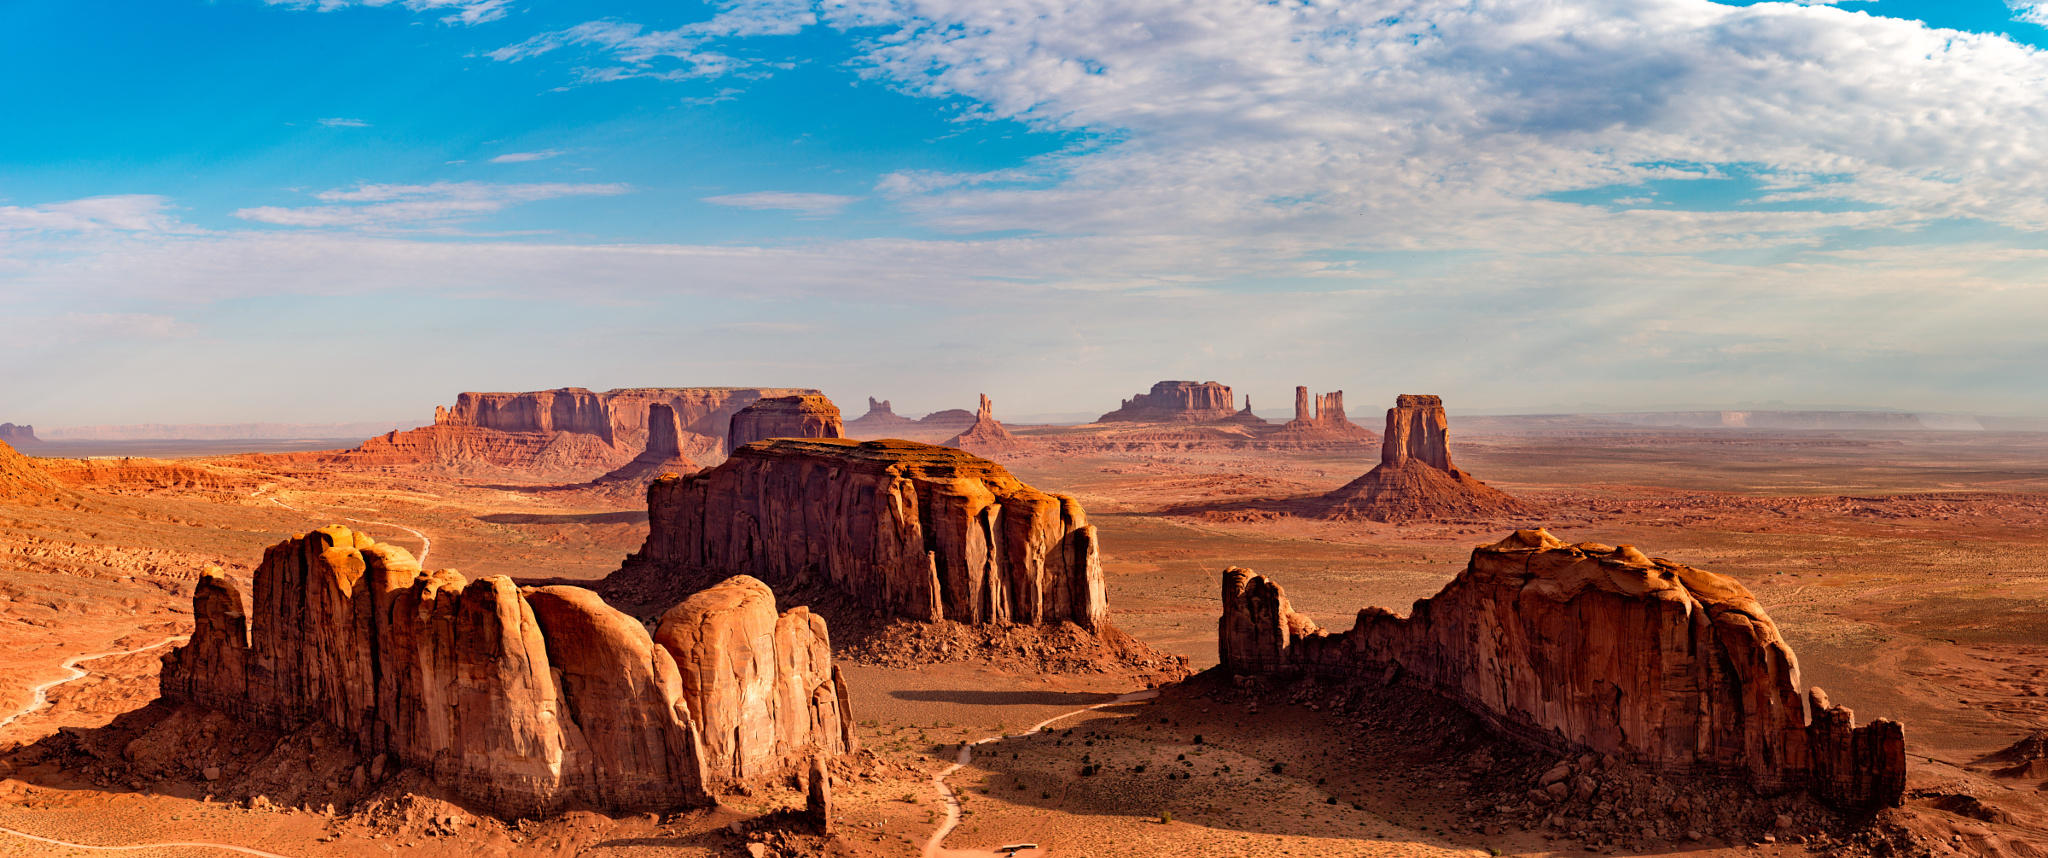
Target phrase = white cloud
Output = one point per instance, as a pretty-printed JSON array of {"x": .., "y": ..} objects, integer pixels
[
  {"x": 341, "y": 122},
  {"x": 2030, "y": 11},
  {"x": 523, "y": 157},
  {"x": 417, "y": 206},
  {"x": 124, "y": 212},
  {"x": 813, "y": 205},
  {"x": 464, "y": 12},
  {"x": 635, "y": 50}
]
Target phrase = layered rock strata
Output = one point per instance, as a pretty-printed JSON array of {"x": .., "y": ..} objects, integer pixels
[
  {"x": 880, "y": 422},
  {"x": 986, "y": 435},
  {"x": 1599, "y": 648},
  {"x": 808, "y": 416},
  {"x": 1176, "y": 402},
  {"x": 1415, "y": 480},
  {"x": 906, "y": 529},
  {"x": 524, "y": 700},
  {"x": 663, "y": 455}
]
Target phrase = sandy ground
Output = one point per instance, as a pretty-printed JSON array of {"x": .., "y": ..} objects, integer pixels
[{"x": 1930, "y": 609}]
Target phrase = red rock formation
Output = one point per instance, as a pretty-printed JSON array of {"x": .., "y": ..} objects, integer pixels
[
  {"x": 524, "y": 700},
  {"x": 1246, "y": 418},
  {"x": 986, "y": 435},
  {"x": 879, "y": 422},
  {"x": 908, "y": 529},
  {"x": 664, "y": 453},
  {"x": 1325, "y": 422},
  {"x": 568, "y": 409},
  {"x": 17, "y": 435},
  {"x": 951, "y": 421},
  {"x": 762, "y": 686},
  {"x": 23, "y": 481},
  {"x": 784, "y": 417},
  {"x": 1176, "y": 402},
  {"x": 1594, "y": 647},
  {"x": 1415, "y": 480}
]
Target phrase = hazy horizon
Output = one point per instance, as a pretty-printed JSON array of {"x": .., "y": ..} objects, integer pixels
[{"x": 332, "y": 211}]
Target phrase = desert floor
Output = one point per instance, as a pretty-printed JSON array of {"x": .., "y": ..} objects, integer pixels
[{"x": 1907, "y": 570}]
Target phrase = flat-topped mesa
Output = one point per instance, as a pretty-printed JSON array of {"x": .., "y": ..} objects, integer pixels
[
  {"x": 664, "y": 452},
  {"x": 808, "y": 416},
  {"x": 18, "y": 435},
  {"x": 986, "y": 435},
  {"x": 880, "y": 421},
  {"x": 1599, "y": 648},
  {"x": 904, "y": 529},
  {"x": 567, "y": 409},
  {"x": 1176, "y": 402},
  {"x": 523, "y": 700},
  {"x": 1414, "y": 480}
]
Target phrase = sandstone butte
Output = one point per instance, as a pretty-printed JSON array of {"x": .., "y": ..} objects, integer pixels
[
  {"x": 807, "y": 416},
  {"x": 905, "y": 529},
  {"x": 1592, "y": 647},
  {"x": 522, "y": 700},
  {"x": 663, "y": 454},
  {"x": 12, "y": 434},
  {"x": 880, "y": 421},
  {"x": 1176, "y": 402},
  {"x": 1415, "y": 480},
  {"x": 1325, "y": 421},
  {"x": 563, "y": 430},
  {"x": 986, "y": 435}
]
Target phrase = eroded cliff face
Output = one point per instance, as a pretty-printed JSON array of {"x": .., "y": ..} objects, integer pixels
[
  {"x": 1415, "y": 480},
  {"x": 1594, "y": 647},
  {"x": 524, "y": 700},
  {"x": 986, "y": 435},
  {"x": 1176, "y": 402},
  {"x": 908, "y": 529},
  {"x": 663, "y": 454},
  {"x": 807, "y": 416}
]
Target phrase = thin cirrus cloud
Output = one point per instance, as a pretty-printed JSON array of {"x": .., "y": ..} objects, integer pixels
[
  {"x": 418, "y": 206},
  {"x": 462, "y": 12},
  {"x": 809, "y": 205},
  {"x": 119, "y": 213},
  {"x": 343, "y": 122},
  {"x": 525, "y": 157}
]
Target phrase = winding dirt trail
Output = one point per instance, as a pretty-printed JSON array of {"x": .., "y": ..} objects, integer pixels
[
  {"x": 229, "y": 847},
  {"x": 426, "y": 544},
  {"x": 39, "y": 696},
  {"x": 935, "y": 847}
]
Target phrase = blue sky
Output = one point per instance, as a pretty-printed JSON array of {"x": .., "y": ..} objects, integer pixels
[{"x": 352, "y": 209}]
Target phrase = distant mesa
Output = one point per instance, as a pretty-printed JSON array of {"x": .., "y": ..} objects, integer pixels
[
  {"x": 879, "y": 421},
  {"x": 663, "y": 455},
  {"x": 523, "y": 700},
  {"x": 986, "y": 436},
  {"x": 1176, "y": 402},
  {"x": 568, "y": 432},
  {"x": 18, "y": 436},
  {"x": 1593, "y": 648},
  {"x": 804, "y": 416},
  {"x": 952, "y": 420},
  {"x": 1415, "y": 480},
  {"x": 903, "y": 529}
]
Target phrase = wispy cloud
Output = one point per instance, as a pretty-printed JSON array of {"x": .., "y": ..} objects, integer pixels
[
  {"x": 811, "y": 205},
  {"x": 122, "y": 213},
  {"x": 2030, "y": 11},
  {"x": 340, "y": 122},
  {"x": 417, "y": 206},
  {"x": 627, "y": 50},
  {"x": 463, "y": 12},
  {"x": 523, "y": 157}
]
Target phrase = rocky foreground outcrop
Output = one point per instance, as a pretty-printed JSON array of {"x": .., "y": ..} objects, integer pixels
[
  {"x": 808, "y": 416},
  {"x": 1176, "y": 402},
  {"x": 1415, "y": 480},
  {"x": 522, "y": 700},
  {"x": 986, "y": 435},
  {"x": 1593, "y": 647},
  {"x": 905, "y": 529},
  {"x": 23, "y": 482}
]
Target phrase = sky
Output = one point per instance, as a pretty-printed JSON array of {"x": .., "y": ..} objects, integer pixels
[{"x": 337, "y": 210}]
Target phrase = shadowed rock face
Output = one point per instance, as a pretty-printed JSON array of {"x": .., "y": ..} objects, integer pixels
[
  {"x": 909, "y": 529},
  {"x": 986, "y": 435},
  {"x": 664, "y": 453},
  {"x": 1176, "y": 402},
  {"x": 1595, "y": 647},
  {"x": 522, "y": 700},
  {"x": 1414, "y": 480},
  {"x": 784, "y": 417}
]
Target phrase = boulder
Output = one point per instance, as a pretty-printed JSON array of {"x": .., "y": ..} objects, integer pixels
[
  {"x": 903, "y": 528},
  {"x": 1594, "y": 648},
  {"x": 808, "y": 416}
]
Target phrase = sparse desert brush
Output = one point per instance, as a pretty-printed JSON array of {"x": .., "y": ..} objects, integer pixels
[{"x": 1166, "y": 817}]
